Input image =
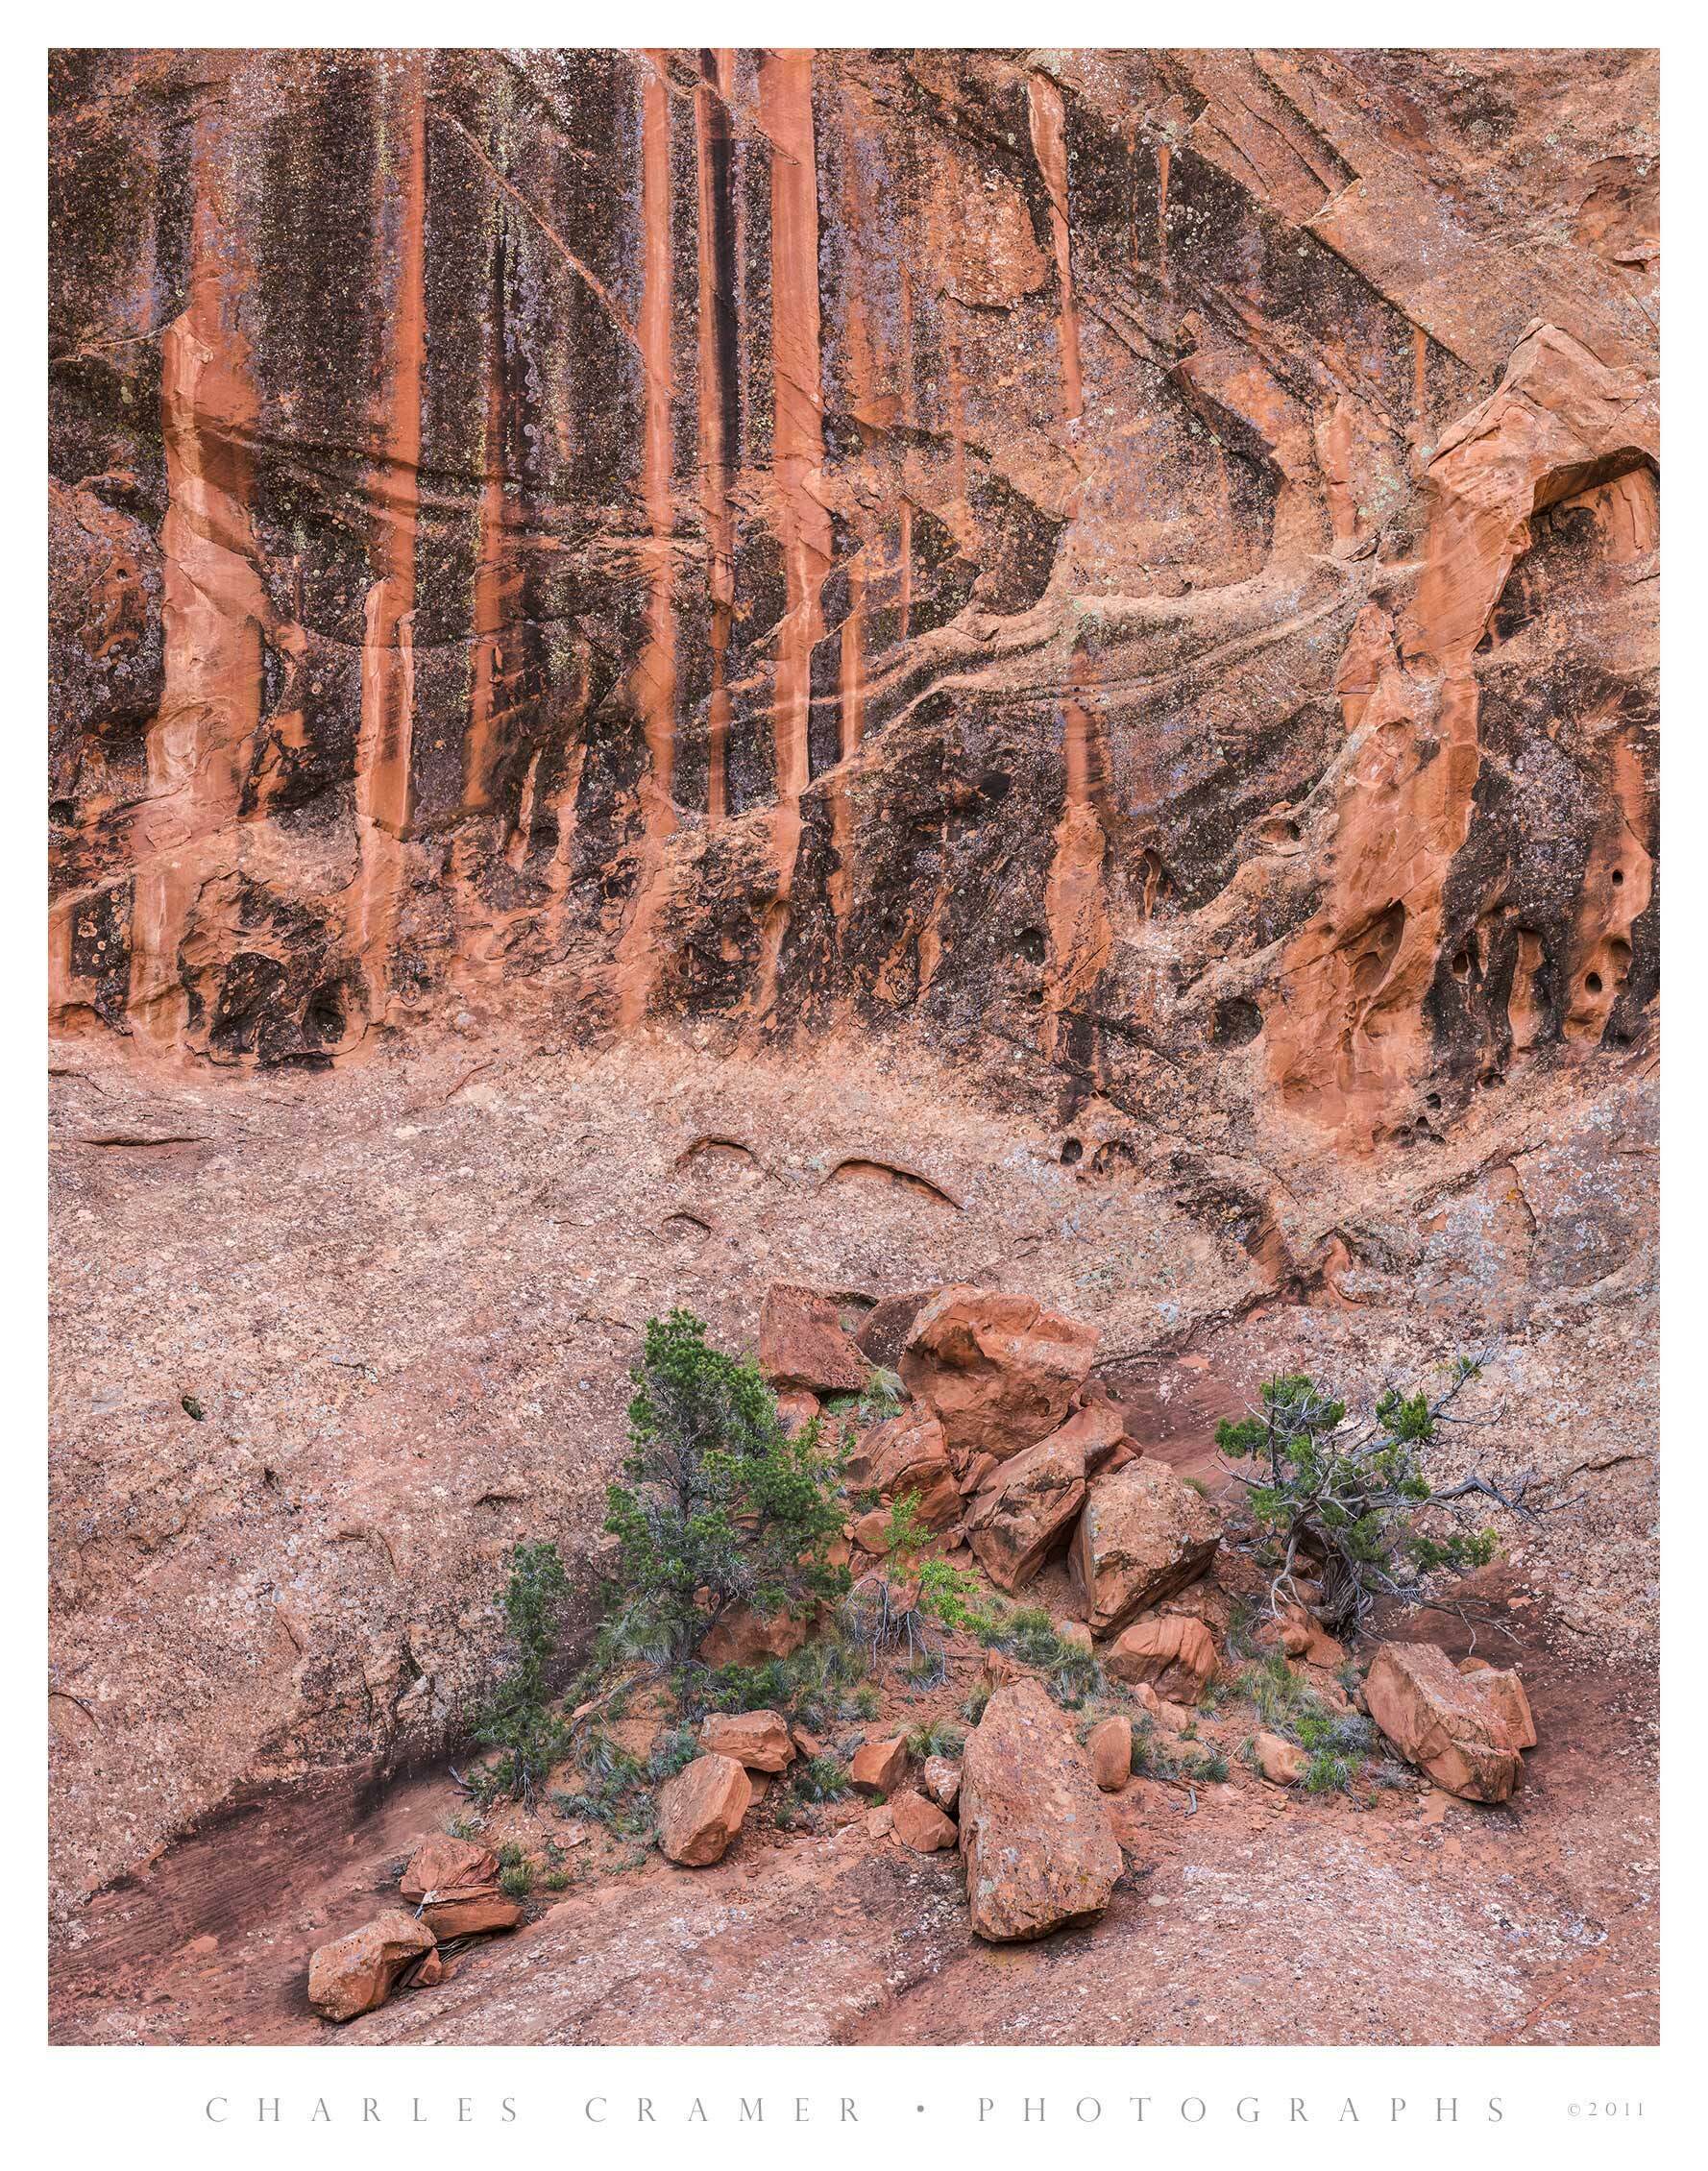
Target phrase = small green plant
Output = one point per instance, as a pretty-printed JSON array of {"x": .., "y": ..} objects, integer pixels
[
  {"x": 675, "y": 1750},
  {"x": 1338, "y": 1502},
  {"x": 1242, "y": 1622},
  {"x": 722, "y": 1507},
  {"x": 905, "y": 1604},
  {"x": 938, "y": 1737},
  {"x": 517, "y": 1880},
  {"x": 972, "y": 1706},
  {"x": 1070, "y": 1672},
  {"x": 557, "y": 1880},
  {"x": 821, "y": 1778},
  {"x": 822, "y": 1685},
  {"x": 509, "y": 1856},
  {"x": 516, "y": 1721},
  {"x": 1328, "y": 1773},
  {"x": 1151, "y": 1758},
  {"x": 1336, "y": 1741}
]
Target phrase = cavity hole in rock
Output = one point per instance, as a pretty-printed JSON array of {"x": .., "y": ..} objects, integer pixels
[
  {"x": 1072, "y": 1150},
  {"x": 1593, "y": 982},
  {"x": 324, "y": 1018},
  {"x": 1461, "y": 963},
  {"x": 859, "y": 1166},
  {"x": 1236, "y": 1021},
  {"x": 1031, "y": 945},
  {"x": 719, "y": 1150},
  {"x": 1619, "y": 876}
]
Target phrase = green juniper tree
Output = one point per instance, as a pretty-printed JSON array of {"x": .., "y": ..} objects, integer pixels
[
  {"x": 517, "y": 1720},
  {"x": 1336, "y": 1503},
  {"x": 722, "y": 1507}
]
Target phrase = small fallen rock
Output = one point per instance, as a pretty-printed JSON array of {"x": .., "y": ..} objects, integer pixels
[
  {"x": 1465, "y": 1730},
  {"x": 920, "y": 1824},
  {"x": 1282, "y": 1762},
  {"x": 746, "y": 1638},
  {"x": 453, "y": 1884},
  {"x": 700, "y": 1810},
  {"x": 357, "y": 1973},
  {"x": 796, "y": 1407},
  {"x": 1174, "y": 1716},
  {"x": 1028, "y": 1509},
  {"x": 871, "y": 1532},
  {"x": 940, "y": 1777},
  {"x": 1109, "y": 1749},
  {"x": 879, "y": 1768},
  {"x": 1176, "y": 1655},
  {"x": 1076, "y": 1633},
  {"x": 1145, "y": 1535},
  {"x": 758, "y": 1740},
  {"x": 1040, "y": 1848}
]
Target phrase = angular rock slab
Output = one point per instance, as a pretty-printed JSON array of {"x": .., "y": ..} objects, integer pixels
[
  {"x": 356, "y": 1973},
  {"x": 999, "y": 1371},
  {"x": 700, "y": 1810},
  {"x": 1465, "y": 1730},
  {"x": 1028, "y": 1509},
  {"x": 1145, "y": 1535},
  {"x": 1108, "y": 1750},
  {"x": 758, "y": 1740},
  {"x": 940, "y": 1777},
  {"x": 454, "y": 1884},
  {"x": 1282, "y": 1762},
  {"x": 802, "y": 1344},
  {"x": 880, "y": 1765},
  {"x": 1040, "y": 1848},
  {"x": 920, "y": 1824},
  {"x": 746, "y": 1638},
  {"x": 906, "y": 1454},
  {"x": 1175, "y": 1655}
]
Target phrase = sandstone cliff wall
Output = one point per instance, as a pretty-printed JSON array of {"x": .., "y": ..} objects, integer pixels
[{"x": 1143, "y": 559}]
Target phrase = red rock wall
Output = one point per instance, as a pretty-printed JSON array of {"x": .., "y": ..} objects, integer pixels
[{"x": 1140, "y": 565}]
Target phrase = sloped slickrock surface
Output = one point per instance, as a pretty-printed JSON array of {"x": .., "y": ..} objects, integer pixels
[
  {"x": 1534, "y": 1921},
  {"x": 1040, "y": 1852},
  {"x": 1466, "y": 1730}
]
